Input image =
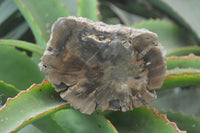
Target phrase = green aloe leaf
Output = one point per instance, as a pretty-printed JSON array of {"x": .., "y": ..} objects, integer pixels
[
  {"x": 190, "y": 61},
  {"x": 178, "y": 99},
  {"x": 182, "y": 71},
  {"x": 72, "y": 121},
  {"x": 142, "y": 120},
  {"x": 30, "y": 105},
  {"x": 106, "y": 14},
  {"x": 10, "y": 14},
  {"x": 30, "y": 129},
  {"x": 141, "y": 8},
  {"x": 184, "y": 100},
  {"x": 41, "y": 15},
  {"x": 185, "y": 51},
  {"x": 170, "y": 35},
  {"x": 17, "y": 68},
  {"x": 185, "y": 122},
  {"x": 38, "y": 104},
  {"x": 184, "y": 12},
  {"x": 126, "y": 17},
  {"x": 23, "y": 45},
  {"x": 71, "y": 7},
  {"x": 75, "y": 122},
  {"x": 47, "y": 124},
  {"x": 17, "y": 32},
  {"x": 6, "y": 91},
  {"x": 88, "y": 9},
  {"x": 181, "y": 77},
  {"x": 8, "y": 8}
]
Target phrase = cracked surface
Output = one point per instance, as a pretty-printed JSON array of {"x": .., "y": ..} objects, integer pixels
[{"x": 100, "y": 66}]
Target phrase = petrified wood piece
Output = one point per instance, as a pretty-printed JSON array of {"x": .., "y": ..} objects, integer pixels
[{"x": 100, "y": 66}]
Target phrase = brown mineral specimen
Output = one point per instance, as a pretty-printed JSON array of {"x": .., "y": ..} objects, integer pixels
[{"x": 106, "y": 67}]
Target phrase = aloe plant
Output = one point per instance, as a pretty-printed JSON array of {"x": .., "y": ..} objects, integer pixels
[{"x": 29, "y": 107}]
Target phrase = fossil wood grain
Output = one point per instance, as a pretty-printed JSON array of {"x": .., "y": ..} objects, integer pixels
[{"x": 96, "y": 66}]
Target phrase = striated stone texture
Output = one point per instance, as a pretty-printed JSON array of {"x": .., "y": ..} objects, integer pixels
[{"x": 106, "y": 67}]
